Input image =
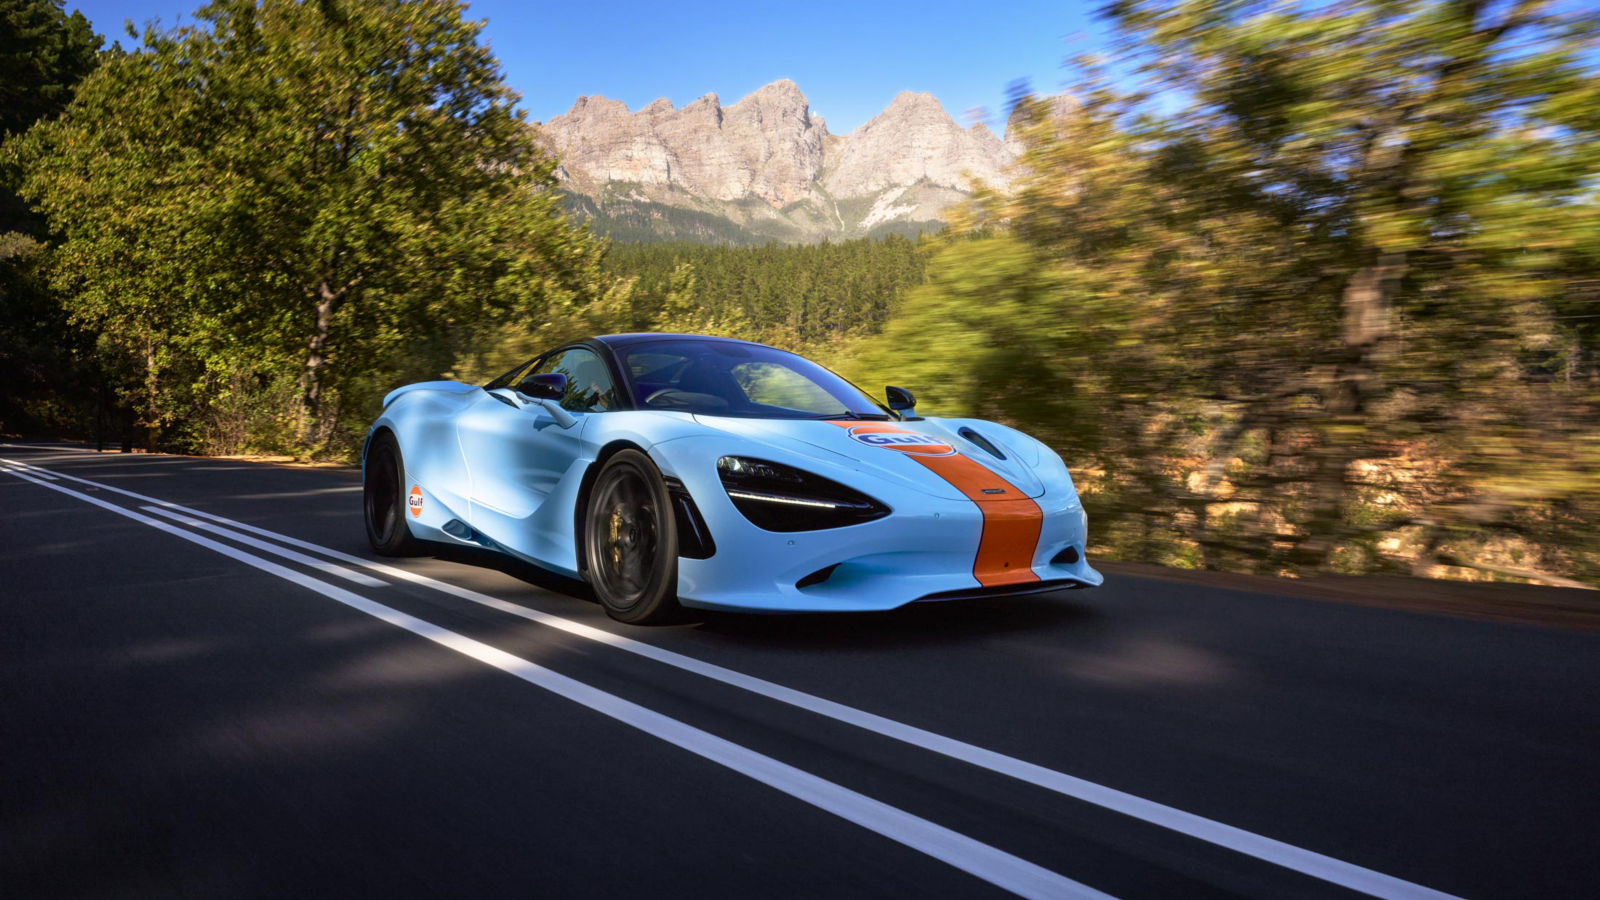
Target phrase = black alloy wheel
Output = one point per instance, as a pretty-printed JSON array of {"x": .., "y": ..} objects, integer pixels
[
  {"x": 383, "y": 499},
  {"x": 631, "y": 541}
]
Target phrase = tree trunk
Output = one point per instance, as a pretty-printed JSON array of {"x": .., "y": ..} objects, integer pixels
[
  {"x": 152, "y": 397},
  {"x": 1368, "y": 304},
  {"x": 311, "y": 380}
]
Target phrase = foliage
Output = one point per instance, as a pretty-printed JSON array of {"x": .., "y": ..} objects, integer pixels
[
  {"x": 802, "y": 297},
  {"x": 797, "y": 295},
  {"x": 1318, "y": 312},
  {"x": 338, "y": 191},
  {"x": 50, "y": 385},
  {"x": 43, "y": 54}
]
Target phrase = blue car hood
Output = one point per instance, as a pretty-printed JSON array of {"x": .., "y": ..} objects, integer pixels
[{"x": 880, "y": 449}]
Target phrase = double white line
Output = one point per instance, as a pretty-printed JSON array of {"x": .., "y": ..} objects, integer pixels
[{"x": 986, "y": 862}]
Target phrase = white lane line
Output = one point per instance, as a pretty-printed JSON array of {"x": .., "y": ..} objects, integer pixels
[
  {"x": 16, "y": 467},
  {"x": 245, "y": 539},
  {"x": 1306, "y": 862},
  {"x": 993, "y": 865}
]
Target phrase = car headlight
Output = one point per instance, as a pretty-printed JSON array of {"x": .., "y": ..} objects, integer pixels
[{"x": 776, "y": 497}]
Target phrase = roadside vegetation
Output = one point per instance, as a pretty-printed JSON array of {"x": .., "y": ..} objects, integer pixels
[
  {"x": 1339, "y": 312},
  {"x": 1292, "y": 289}
]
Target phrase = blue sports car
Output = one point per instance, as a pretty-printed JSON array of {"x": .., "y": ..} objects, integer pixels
[{"x": 668, "y": 469}]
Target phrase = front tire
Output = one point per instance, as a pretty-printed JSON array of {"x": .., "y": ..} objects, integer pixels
[
  {"x": 383, "y": 486},
  {"x": 631, "y": 541}
]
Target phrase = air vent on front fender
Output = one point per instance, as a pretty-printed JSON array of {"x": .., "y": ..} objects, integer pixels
[
  {"x": 694, "y": 538},
  {"x": 982, "y": 441}
]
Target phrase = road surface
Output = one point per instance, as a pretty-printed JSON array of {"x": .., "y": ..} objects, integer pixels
[{"x": 210, "y": 687}]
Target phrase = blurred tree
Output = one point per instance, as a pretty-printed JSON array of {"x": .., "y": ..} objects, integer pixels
[
  {"x": 684, "y": 310},
  {"x": 1039, "y": 310},
  {"x": 1313, "y": 299},
  {"x": 1429, "y": 162},
  {"x": 335, "y": 188}
]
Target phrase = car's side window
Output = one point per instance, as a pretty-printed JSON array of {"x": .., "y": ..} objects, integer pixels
[{"x": 589, "y": 384}]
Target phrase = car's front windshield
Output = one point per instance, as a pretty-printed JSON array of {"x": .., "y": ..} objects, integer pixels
[{"x": 725, "y": 378}]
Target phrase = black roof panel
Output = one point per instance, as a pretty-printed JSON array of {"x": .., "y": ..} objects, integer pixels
[{"x": 624, "y": 340}]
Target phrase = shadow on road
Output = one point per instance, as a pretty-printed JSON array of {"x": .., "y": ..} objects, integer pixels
[
  {"x": 486, "y": 559},
  {"x": 918, "y": 624}
]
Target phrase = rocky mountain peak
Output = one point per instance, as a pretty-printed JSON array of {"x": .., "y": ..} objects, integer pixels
[
  {"x": 783, "y": 87},
  {"x": 907, "y": 102},
  {"x": 596, "y": 105},
  {"x": 914, "y": 140},
  {"x": 903, "y": 165},
  {"x": 776, "y": 100}
]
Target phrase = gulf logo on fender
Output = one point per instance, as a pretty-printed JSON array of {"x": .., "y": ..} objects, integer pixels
[
  {"x": 1011, "y": 520},
  {"x": 414, "y": 501}
]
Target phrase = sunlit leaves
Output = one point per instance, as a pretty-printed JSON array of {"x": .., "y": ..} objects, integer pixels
[{"x": 340, "y": 190}]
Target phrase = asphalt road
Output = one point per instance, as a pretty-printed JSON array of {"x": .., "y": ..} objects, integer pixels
[{"x": 184, "y": 712}]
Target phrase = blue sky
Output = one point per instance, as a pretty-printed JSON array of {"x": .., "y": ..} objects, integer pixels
[{"x": 849, "y": 59}]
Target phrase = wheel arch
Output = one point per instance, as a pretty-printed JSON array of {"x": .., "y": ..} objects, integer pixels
[{"x": 366, "y": 446}]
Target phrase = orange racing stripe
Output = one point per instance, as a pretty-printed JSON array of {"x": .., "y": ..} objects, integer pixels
[{"x": 1011, "y": 521}]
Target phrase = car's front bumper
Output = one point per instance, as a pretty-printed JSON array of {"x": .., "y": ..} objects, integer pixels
[{"x": 925, "y": 550}]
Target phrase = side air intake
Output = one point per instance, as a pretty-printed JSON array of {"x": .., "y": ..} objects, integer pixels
[{"x": 817, "y": 577}]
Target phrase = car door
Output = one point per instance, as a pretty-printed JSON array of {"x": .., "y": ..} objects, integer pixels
[{"x": 518, "y": 455}]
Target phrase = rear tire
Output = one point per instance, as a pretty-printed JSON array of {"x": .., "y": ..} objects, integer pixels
[
  {"x": 630, "y": 541},
  {"x": 383, "y": 487}
]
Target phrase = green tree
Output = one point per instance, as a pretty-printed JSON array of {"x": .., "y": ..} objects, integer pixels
[
  {"x": 741, "y": 291},
  {"x": 334, "y": 189},
  {"x": 797, "y": 296},
  {"x": 44, "y": 53},
  {"x": 685, "y": 310}
]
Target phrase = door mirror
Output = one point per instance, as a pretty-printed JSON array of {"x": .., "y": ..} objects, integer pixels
[
  {"x": 900, "y": 399},
  {"x": 546, "y": 386}
]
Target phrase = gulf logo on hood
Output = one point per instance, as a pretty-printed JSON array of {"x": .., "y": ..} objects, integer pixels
[{"x": 891, "y": 438}]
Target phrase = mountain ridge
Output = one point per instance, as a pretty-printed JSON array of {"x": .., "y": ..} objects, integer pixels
[{"x": 766, "y": 168}]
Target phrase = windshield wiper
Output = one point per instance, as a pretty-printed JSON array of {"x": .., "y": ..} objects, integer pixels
[{"x": 852, "y": 414}]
